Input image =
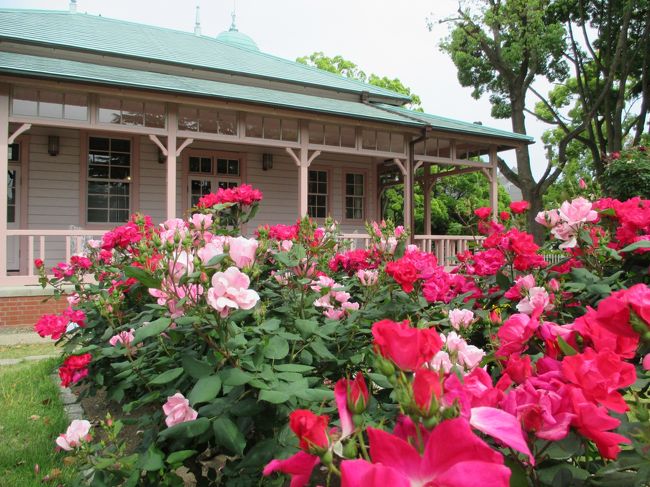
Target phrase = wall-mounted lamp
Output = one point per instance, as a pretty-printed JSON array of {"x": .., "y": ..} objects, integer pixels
[
  {"x": 53, "y": 145},
  {"x": 162, "y": 158},
  {"x": 267, "y": 162}
]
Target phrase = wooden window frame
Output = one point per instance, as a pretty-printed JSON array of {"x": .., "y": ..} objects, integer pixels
[
  {"x": 328, "y": 196},
  {"x": 364, "y": 173},
  {"x": 134, "y": 184}
]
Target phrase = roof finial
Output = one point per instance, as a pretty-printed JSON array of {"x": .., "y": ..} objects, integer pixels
[
  {"x": 73, "y": 6},
  {"x": 233, "y": 14},
  {"x": 197, "y": 22}
]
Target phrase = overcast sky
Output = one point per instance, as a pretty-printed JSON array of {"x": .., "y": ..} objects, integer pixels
[{"x": 385, "y": 37}]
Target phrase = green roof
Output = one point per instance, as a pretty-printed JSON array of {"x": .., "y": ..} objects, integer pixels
[
  {"x": 42, "y": 67},
  {"x": 451, "y": 125},
  {"x": 101, "y": 35}
]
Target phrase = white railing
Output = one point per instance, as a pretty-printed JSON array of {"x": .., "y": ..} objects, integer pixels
[
  {"x": 445, "y": 247},
  {"x": 51, "y": 246}
]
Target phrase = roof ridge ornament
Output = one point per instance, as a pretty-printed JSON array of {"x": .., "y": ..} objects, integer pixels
[
  {"x": 233, "y": 26},
  {"x": 197, "y": 22},
  {"x": 73, "y": 6}
]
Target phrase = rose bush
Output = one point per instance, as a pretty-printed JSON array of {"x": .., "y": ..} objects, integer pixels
[{"x": 243, "y": 357}]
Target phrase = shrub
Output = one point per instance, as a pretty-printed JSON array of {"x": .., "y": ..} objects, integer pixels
[
  {"x": 234, "y": 353},
  {"x": 627, "y": 174}
]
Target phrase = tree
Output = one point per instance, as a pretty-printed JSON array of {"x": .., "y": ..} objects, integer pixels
[
  {"x": 339, "y": 65},
  {"x": 500, "y": 47}
]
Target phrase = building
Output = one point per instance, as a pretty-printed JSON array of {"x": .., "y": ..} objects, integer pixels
[{"x": 100, "y": 118}]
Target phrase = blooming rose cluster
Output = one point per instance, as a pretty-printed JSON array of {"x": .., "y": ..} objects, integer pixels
[
  {"x": 335, "y": 302},
  {"x": 566, "y": 222},
  {"x": 78, "y": 432},
  {"x": 74, "y": 368},
  {"x": 244, "y": 195},
  {"x": 354, "y": 260}
]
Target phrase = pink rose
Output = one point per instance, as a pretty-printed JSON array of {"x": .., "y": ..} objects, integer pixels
[
  {"x": 74, "y": 435},
  {"x": 368, "y": 277},
  {"x": 242, "y": 251},
  {"x": 230, "y": 291},
  {"x": 548, "y": 218},
  {"x": 211, "y": 250},
  {"x": 124, "y": 337},
  {"x": 201, "y": 222},
  {"x": 578, "y": 211},
  {"x": 460, "y": 318},
  {"x": 646, "y": 362},
  {"x": 178, "y": 410}
]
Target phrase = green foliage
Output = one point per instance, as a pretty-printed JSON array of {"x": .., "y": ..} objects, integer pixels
[
  {"x": 628, "y": 174},
  {"x": 339, "y": 65}
]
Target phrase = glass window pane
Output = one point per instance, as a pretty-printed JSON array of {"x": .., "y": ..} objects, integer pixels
[
  {"x": 290, "y": 130},
  {"x": 97, "y": 216},
  {"x": 120, "y": 172},
  {"x": 132, "y": 112},
  {"x": 119, "y": 202},
  {"x": 227, "y": 122},
  {"x": 419, "y": 148},
  {"x": 76, "y": 106},
  {"x": 119, "y": 216},
  {"x": 316, "y": 133},
  {"x": 97, "y": 201},
  {"x": 206, "y": 165},
  {"x": 50, "y": 104},
  {"x": 98, "y": 171},
  {"x": 432, "y": 147},
  {"x": 154, "y": 115},
  {"x": 396, "y": 142},
  {"x": 109, "y": 110},
  {"x": 272, "y": 128},
  {"x": 383, "y": 141},
  {"x": 25, "y": 102},
  {"x": 195, "y": 164},
  {"x": 348, "y": 136},
  {"x": 99, "y": 158},
  {"x": 11, "y": 214},
  {"x": 96, "y": 187},
  {"x": 253, "y": 126},
  {"x": 222, "y": 166},
  {"x": 233, "y": 167},
  {"x": 119, "y": 189},
  {"x": 188, "y": 119},
  {"x": 120, "y": 145},
  {"x": 208, "y": 121},
  {"x": 98, "y": 143},
  {"x": 14, "y": 152},
  {"x": 118, "y": 159},
  {"x": 332, "y": 135},
  {"x": 369, "y": 139}
]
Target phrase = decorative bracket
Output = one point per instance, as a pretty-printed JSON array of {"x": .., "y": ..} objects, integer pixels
[
  {"x": 22, "y": 129},
  {"x": 297, "y": 160}
]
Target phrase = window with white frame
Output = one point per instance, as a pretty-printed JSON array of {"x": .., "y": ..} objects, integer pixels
[
  {"x": 317, "y": 194},
  {"x": 108, "y": 180},
  {"x": 355, "y": 196},
  {"x": 208, "y": 173}
]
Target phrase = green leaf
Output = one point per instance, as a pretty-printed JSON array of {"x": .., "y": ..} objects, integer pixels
[
  {"x": 274, "y": 397},
  {"x": 144, "y": 277},
  {"x": 154, "y": 328},
  {"x": 299, "y": 368},
  {"x": 197, "y": 369},
  {"x": 565, "y": 347},
  {"x": 234, "y": 377},
  {"x": 215, "y": 260},
  {"x": 228, "y": 435},
  {"x": 188, "y": 429},
  {"x": 306, "y": 327},
  {"x": 315, "y": 395},
  {"x": 321, "y": 350},
  {"x": 180, "y": 456},
  {"x": 503, "y": 282},
  {"x": 206, "y": 389},
  {"x": 640, "y": 244},
  {"x": 270, "y": 325},
  {"x": 152, "y": 459},
  {"x": 277, "y": 348},
  {"x": 518, "y": 477},
  {"x": 167, "y": 376}
]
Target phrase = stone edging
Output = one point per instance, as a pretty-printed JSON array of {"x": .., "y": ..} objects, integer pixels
[{"x": 69, "y": 399}]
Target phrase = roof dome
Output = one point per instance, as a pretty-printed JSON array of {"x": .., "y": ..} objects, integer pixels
[{"x": 236, "y": 38}]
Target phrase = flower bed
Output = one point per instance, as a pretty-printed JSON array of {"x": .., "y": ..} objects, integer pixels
[{"x": 287, "y": 353}]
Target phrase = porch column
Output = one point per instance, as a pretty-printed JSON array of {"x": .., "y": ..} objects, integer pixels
[
  {"x": 494, "y": 183},
  {"x": 426, "y": 186},
  {"x": 303, "y": 160},
  {"x": 407, "y": 173},
  {"x": 4, "y": 158},
  {"x": 172, "y": 127}
]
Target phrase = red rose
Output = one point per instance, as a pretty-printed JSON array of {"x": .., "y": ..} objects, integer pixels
[
  {"x": 404, "y": 273},
  {"x": 357, "y": 394},
  {"x": 426, "y": 387},
  {"x": 407, "y": 347},
  {"x": 51, "y": 325},
  {"x": 504, "y": 215},
  {"x": 74, "y": 368},
  {"x": 310, "y": 429},
  {"x": 38, "y": 263},
  {"x": 600, "y": 375},
  {"x": 518, "y": 207},
  {"x": 483, "y": 213}
]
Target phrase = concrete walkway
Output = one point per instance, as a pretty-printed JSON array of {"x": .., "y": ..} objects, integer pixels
[{"x": 10, "y": 336}]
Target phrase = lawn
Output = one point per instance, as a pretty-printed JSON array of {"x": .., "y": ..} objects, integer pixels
[
  {"x": 32, "y": 417},
  {"x": 27, "y": 349}
]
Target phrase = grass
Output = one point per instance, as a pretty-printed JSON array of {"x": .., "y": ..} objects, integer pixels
[
  {"x": 32, "y": 417},
  {"x": 25, "y": 350}
]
